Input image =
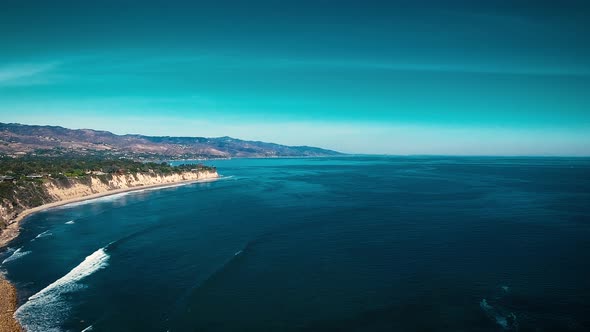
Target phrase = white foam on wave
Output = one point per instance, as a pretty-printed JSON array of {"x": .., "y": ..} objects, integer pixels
[
  {"x": 174, "y": 185},
  {"x": 490, "y": 311},
  {"x": 71, "y": 222},
  {"x": 44, "y": 234},
  {"x": 18, "y": 253},
  {"x": 114, "y": 197},
  {"x": 47, "y": 309},
  {"x": 10, "y": 250},
  {"x": 108, "y": 198},
  {"x": 506, "y": 322},
  {"x": 89, "y": 328},
  {"x": 160, "y": 187},
  {"x": 91, "y": 264}
]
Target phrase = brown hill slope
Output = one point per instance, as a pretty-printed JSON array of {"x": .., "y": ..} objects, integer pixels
[{"x": 18, "y": 139}]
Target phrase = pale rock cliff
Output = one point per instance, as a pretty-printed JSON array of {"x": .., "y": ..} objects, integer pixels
[
  {"x": 54, "y": 190},
  {"x": 77, "y": 189}
]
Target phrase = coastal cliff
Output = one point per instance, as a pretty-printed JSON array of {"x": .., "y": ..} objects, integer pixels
[
  {"x": 127, "y": 181},
  {"x": 34, "y": 194},
  {"x": 21, "y": 198}
]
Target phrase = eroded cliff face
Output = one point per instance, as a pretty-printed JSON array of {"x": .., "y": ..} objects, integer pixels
[
  {"x": 22, "y": 196},
  {"x": 75, "y": 189},
  {"x": 36, "y": 194},
  {"x": 8, "y": 211}
]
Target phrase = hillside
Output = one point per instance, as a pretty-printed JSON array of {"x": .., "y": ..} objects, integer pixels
[{"x": 18, "y": 139}]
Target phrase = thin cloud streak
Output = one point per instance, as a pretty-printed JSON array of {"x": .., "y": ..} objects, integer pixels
[
  {"x": 25, "y": 73},
  {"x": 250, "y": 62},
  {"x": 126, "y": 62}
]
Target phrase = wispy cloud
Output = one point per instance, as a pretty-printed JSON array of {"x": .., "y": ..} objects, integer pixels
[
  {"x": 129, "y": 65},
  {"x": 250, "y": 62},
  {"x": 26, "y": 73},
  {"x": 401, "y": 65}
]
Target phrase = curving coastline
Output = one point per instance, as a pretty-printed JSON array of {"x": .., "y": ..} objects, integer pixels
[
  {"x": 82, "y": 192},
  {"x": 78, "y": 193}
]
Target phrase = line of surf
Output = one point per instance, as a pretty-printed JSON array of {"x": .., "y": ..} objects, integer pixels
[
  {"x": 13, "y": 228},
  {"x": 44, "y": 234},
  {"x": 18, "y": 253},
  {"x": 96, "y": 261},
  {"x": 46, "y": 310},
  {"x": 113, "y": 195}
]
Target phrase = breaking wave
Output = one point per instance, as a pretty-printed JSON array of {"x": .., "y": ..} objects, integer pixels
[
  {"x": 108, "y": 198},
  {"x": 160, "y": 187},
  {"x": 71, "y": 222},
  {"x": 44, "y": 234},
  {"x": 18, "y": 253},
  {"x": 173, "y": 185},
  {"x": 506, "y": 321},
  {"x": 47, "y": 309}
]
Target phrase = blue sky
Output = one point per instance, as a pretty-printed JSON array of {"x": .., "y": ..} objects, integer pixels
[{"x": 405, "y": 77}]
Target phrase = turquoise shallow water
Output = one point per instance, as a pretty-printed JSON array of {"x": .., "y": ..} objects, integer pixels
[{"x": 340, "y": 244}]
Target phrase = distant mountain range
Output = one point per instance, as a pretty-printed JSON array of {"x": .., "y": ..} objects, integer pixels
[{"x": 19, "y": 139}]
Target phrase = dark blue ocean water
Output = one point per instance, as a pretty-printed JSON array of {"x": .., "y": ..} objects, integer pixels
[{"x": 343, "y": 244}]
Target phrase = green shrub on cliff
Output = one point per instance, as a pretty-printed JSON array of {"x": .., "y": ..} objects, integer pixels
[
  {"x": 22, "y": 184},
  {"x": 72, "y": 167}
]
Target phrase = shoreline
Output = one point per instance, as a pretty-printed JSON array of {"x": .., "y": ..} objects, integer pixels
[
  {"x": 12, "y": 230},
  {"x": 9, "y": 303}
]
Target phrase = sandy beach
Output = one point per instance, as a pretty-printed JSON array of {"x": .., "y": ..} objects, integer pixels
[
  {"x": 8, "y": 300},
  {"x": 8, "y": 303}
]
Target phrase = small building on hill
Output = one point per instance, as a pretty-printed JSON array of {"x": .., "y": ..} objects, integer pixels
[{"x": 6, "y": 178}]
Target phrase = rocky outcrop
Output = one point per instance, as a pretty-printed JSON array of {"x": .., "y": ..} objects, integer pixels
[{"x": 8, "y": 211}]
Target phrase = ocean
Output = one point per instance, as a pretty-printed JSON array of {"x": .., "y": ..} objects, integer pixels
[{"x": 361, "y": 243}]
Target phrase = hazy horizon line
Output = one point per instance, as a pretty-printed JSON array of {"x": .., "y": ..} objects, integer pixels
[{"x": 343, "y": 154}]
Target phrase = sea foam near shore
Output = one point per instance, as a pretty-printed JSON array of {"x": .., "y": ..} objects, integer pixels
[
  {"x": 18, "y": 253},
  {"x": 47, "y": 309},
  {"x": 44, "y": 234},
  {"x": 108, "y": 198}
]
